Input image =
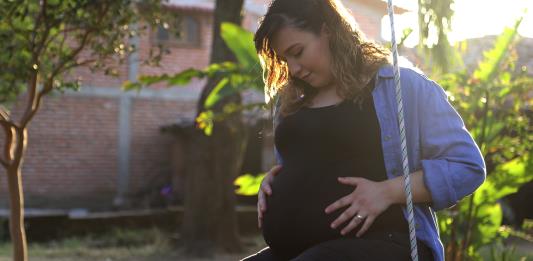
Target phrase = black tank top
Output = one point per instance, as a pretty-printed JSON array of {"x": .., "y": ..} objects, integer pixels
[{"x": 317, "y": 145}]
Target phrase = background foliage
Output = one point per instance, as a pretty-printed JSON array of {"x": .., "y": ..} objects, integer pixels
[{"x": 494, "y": 101}]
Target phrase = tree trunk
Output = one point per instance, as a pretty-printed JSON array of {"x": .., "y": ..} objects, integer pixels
[
  {"x": 13, "y": 158},
  {"x": 210, "y": 220},
  {"x": 16, "y": 222},
  {"x": 197, "y": 227},
  {"x": 17, "y": 144},
  {"x": 229, "y": 138}
]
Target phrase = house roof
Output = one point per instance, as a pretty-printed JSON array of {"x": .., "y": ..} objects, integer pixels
[
  {"x": 259, "y": 7},
  {"x": 380, "y": 5},
  {"x": 194, "y": 5}
]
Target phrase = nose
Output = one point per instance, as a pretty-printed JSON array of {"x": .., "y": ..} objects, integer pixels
[{"x": 295, "y": 69}]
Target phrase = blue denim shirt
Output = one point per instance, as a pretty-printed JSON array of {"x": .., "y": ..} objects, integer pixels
[{"x": 437, "y": 142}]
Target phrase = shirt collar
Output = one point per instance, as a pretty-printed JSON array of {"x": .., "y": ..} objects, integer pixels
[{"x": 386, "y": 71}]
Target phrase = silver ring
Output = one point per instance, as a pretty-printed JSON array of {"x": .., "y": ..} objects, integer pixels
[{"x": 360, "y": 217}]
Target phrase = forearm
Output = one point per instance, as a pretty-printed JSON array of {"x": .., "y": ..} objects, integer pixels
[{"x": 396, "y": 192}]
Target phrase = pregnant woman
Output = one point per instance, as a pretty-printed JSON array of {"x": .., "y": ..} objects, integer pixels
[{"x": 338, "y": 191}]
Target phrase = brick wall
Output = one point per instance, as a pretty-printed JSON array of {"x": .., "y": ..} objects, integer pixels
[
  {"x": 151, "y": 151},
  {"x": 72, "y": 154}
]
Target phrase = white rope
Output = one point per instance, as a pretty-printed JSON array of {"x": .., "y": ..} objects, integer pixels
[{"x": 405, "y": 161}]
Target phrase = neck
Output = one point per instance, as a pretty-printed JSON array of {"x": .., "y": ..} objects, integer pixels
[{"x": 326, "y": 96}]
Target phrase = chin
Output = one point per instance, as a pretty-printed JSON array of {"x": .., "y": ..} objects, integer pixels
[{"x": 319, "y": 86}]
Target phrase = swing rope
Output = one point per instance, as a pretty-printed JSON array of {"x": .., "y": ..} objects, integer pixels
[{"x": 405, "y": 161}]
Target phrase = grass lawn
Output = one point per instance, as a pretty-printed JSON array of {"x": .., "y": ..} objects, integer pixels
[
  {"x": 154, "y": 244},
  {"x": 134, "y": 245}
]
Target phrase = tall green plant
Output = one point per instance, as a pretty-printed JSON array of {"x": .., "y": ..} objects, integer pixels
[
  {"x": 234, "y": 77},
  {"x": 493, "y": 102}
]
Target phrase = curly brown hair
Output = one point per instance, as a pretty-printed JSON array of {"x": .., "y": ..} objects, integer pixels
[{"x": 355, "y": 60}]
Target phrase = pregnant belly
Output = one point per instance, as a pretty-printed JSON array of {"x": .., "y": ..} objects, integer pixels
[{"x": 295, "y": 219}]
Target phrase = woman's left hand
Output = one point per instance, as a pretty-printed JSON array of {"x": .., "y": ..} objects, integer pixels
[{"x": 366, "y": 202}]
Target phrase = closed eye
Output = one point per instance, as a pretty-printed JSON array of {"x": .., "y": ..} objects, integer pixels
[{"x": 299, "y": 53}]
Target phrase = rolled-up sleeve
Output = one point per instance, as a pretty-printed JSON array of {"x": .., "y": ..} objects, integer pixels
[{"x": 452, "y": 162}]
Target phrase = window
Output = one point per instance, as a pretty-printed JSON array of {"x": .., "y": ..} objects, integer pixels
[{"x": 183, "y": 30}]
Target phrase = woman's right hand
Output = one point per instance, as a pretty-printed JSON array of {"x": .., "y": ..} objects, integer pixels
[{"x": 265, "y": 190}]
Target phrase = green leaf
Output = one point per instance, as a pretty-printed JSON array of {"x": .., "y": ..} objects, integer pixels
[
  {"x": 489, "y": 218},
  {"x": 240, "y": 42},
  {"x": 205, "y": 121},
  {"x": 230, "y": 84},
  {"x": 185, "y": 77},
  {"x": 494, "y": 130},
  {"x": 221, "y": 69},
  {"x": 53, "y": 2},
  {"x": 248, "y": 184},
  {"x": 489, "y": 66},
  {"x": 221, "y": 90},
  {"x": 505, "y": 180},
  {"x": 131, "y": 86}
]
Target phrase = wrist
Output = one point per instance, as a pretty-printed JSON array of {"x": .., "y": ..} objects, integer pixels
[{"x": 393, "y": 191}]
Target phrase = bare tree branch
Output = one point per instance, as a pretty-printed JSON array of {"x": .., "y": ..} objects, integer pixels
[
  {"x": 36, "y": 26},
  {"x": 32, "y": 90},
  {"x": 3, "y": 161},
  {"x": 46, "y": 89},
  {"x": 74, "y": 53},
  {"x": 62, "y": 67},
  {"x": 77, "y": 64},
  {"x": 4, "y": 115},
  {"x": 32, "y": 93},
  {"x": 44, "y": 4},
  {"x": 7, "y": 126},
  {"x": 42, "y": 44},
  {"x": 36, "y": 97},
  {"x": 35, "y": 107},
  {"x": 63, "y": 32}
]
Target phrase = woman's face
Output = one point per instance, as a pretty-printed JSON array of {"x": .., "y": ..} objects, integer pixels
[{"x": 306, "y": 54}]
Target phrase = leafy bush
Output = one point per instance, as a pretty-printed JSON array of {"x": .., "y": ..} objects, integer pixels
[{"x": 493, "y": 102}]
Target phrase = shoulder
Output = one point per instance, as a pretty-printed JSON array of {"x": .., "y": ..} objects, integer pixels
[
  {"x": 407, "y": 73},
  {"x": 413, "y": 81}
]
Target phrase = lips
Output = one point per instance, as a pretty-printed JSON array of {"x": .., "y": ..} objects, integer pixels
[{"x": 306, "y": 77}]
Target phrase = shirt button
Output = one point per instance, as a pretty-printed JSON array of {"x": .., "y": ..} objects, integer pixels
[{"x": 387, "y": 138}]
